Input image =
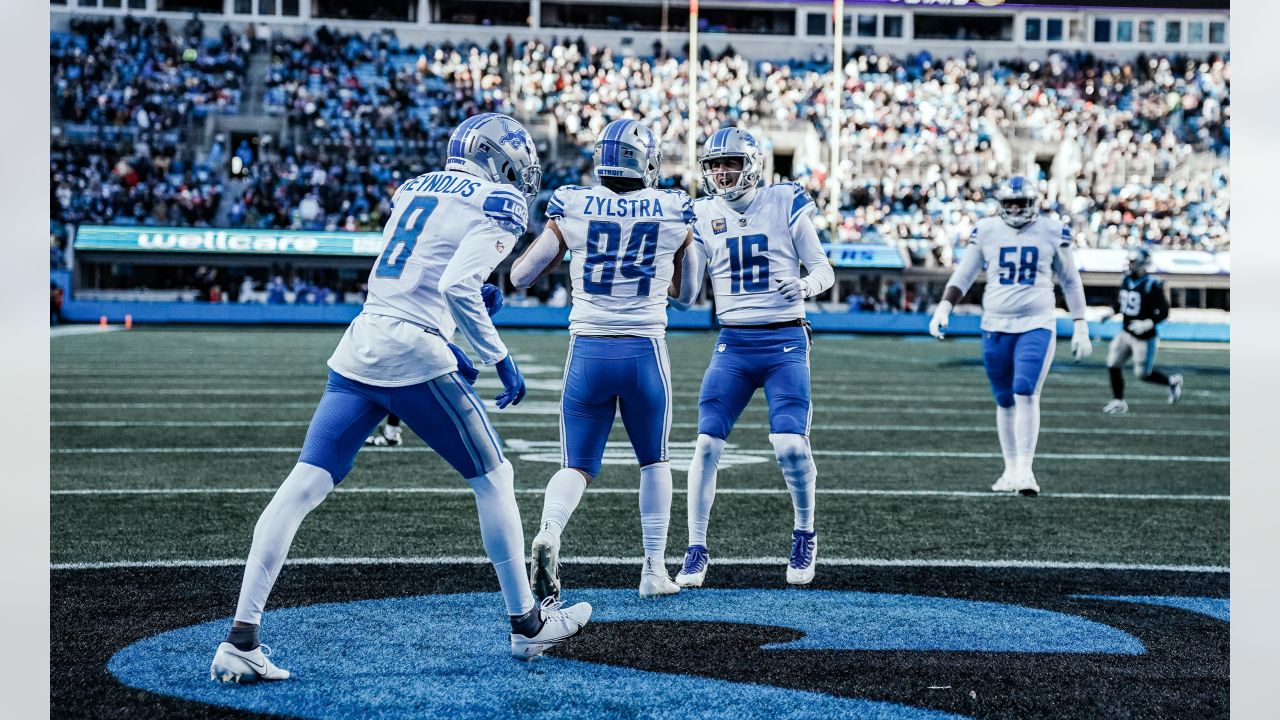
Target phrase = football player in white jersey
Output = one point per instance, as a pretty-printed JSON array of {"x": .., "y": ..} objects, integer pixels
[
  {"x": 627, "y": 242},
  {"x": 448, "y": 230},
  {"x": 754, "y": 240},
  {"x": 1021, "y": 252}
]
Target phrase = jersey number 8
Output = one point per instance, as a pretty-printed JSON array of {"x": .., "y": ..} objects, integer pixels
[
  {"x": 1022, "y": 272},
  {"x": 412, "y": 222},
  {"x": 603, "y": 239}
]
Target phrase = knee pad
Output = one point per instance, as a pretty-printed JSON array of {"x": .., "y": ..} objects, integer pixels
[
  {"x": 708, "y": 450},
  {"x": 500, "y": 480},
  {"x": 1004, "y": 399},
  {"x": 791, "y": 450},
  {"x": 1024, "y": 386}
]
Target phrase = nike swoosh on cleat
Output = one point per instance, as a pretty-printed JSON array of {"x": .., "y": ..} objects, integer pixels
[{"x": 262, "y": 666}]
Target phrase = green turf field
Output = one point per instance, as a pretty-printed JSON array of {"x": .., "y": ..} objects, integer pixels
[
  {"x": 1106, "y": 596},
  {"x": 167, "y": 443}
]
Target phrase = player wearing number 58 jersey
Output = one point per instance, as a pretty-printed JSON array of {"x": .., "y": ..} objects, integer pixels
[
  {"x": 447, "y": 232},
  {"x": 755, "y": 239},
  {"x": 1021, "y": 253},
  {"x": 626, "y": 240}
]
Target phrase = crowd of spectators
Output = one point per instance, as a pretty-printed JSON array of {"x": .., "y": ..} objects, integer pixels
[
  {"x": 139, "y": 73},
  {"x": 923, "y": 139}
]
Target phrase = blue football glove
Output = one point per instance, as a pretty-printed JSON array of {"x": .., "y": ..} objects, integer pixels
[
  {"x": 466, "y": 368},
  {"x": 512, "y": 383},
  {"x": 492, "y": 297}
]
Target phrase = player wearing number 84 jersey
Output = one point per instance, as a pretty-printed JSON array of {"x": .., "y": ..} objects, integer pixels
[
  {"x": 1021, "y": 253},
  {"x": 754, "y": 239},
  {"x": 627, "y": 243}
]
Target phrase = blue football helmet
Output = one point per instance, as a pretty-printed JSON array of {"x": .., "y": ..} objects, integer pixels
[
  {"x": 627, "y": 149},
  {"x": 1019, "y": 201},
  {"x": 497, "y": 148},
  {"x": 731, "y": 142}
]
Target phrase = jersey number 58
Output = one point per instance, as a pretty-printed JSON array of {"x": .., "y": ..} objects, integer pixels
[{"x": 1023, "y": 272}]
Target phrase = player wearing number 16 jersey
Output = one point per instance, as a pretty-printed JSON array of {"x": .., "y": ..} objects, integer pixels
[
  {"x": 447, "y": 232},
  {"x": 1021, "y": 253},
  {"x": 626, "y": 240},
  {"x": 754, "y": 240}
]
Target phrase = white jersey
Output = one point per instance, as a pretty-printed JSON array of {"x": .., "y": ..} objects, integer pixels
[
  {"x": 1020, "y": 265},
  {"x": 442, "y": 223},
  {"x": 622, "y": 249},
  {"x": 747, "y": 252}
]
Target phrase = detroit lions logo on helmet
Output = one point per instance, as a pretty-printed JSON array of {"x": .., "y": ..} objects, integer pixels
[{"x": 516, "y": 138}]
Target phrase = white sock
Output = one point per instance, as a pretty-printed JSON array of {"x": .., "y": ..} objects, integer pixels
[
  {"x": 1008, "y": 444},
  {"x": 564, "y": 492},
  {"x": 300, "y": 493},
  {"x": 801, "y": 475},
  {"x": 503, "y": 535},
  {"x": 655, "y": 514},
  {"x": 1026, "y": 430},
  {"x": 702, "y": 486}
]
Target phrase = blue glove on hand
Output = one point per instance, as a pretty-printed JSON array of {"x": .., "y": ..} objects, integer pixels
[
  {"x": 466, "y": 368},
  {"x": 512, "y": 383},
  {"x": 492, "y": 297}
]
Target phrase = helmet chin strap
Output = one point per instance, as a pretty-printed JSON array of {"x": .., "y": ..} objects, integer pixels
[{"x": 741, "y": 202}]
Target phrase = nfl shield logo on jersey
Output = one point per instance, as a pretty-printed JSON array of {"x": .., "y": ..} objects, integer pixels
[
  {"x": 719, "y": 225},
  {"x": 499, "y": 246},
  {"x": 742, "y": 222}
]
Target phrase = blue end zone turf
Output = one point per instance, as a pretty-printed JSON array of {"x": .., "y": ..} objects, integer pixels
[
  {"x": 448, "y": 655},
  {"x": 1216, "y": 608}
]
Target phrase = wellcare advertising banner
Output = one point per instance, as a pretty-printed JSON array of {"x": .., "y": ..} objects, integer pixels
[{"x": 241, "y": 241}]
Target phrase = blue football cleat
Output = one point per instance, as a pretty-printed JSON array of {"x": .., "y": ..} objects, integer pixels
[
  {"x": 695, "y": 567},
  {"x": 804, "y": 557}
]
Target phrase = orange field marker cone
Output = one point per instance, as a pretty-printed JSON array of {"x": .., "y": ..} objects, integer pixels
[
  {"x": 102, "y": 321},
  {"x": 128, "y": 322}
]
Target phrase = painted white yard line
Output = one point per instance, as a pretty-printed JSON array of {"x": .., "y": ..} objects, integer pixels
[
  {"x": 633, "y": 491},
  {"x": 501, "y": 421},
  {"x": 759, "y": 406},
  {"x": 834, "y": 453},
  {"x": 553, "y": 386},
  {"x": 593, "y": 560}
]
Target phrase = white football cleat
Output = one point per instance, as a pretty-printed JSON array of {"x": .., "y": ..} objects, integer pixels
[
  {"x": 1175, "y": 388},
  {"x": 657, "y": 584},
  {"x": 1004, "y": 484},
  {"x": 1026, "y": 486},
  {"x": 544, "y": 567},
  {"x": 559, "y": 623},
  {"x": 1119, "y": 407},
  {"x": 804, "y": 557},
  {"x": 231, "y": 664},
  {"x": 694, "y": 571}
]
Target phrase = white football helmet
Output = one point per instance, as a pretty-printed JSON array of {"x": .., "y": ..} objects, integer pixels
[
  {"x": 497, "y": 148},
  {"x": 1019, "y": 201},
  {"x": 731, "y": 142},
  {"x": 627, "y": 149},
  {"x": 1139, "y": 261}
]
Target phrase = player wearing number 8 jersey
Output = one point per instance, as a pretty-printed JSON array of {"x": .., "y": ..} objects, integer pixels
[
  {"x": 626, "y": 240},
  {"x": 1021, "y": 252},
  {"x": 754, "y": 240},
  {"x": 447, "y": 232}
]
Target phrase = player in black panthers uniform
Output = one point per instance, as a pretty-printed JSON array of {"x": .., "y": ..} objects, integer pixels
[{"x": 1142, "y": 303}]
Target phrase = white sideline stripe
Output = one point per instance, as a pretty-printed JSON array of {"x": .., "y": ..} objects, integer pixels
[
  {"x": 833, "y": 453},
  {"x": 66, "y": 330},
  {"x": 502, "y": 422},
  {"x": 590, "y": 560},
  {"x": 633, "y": 491}
]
